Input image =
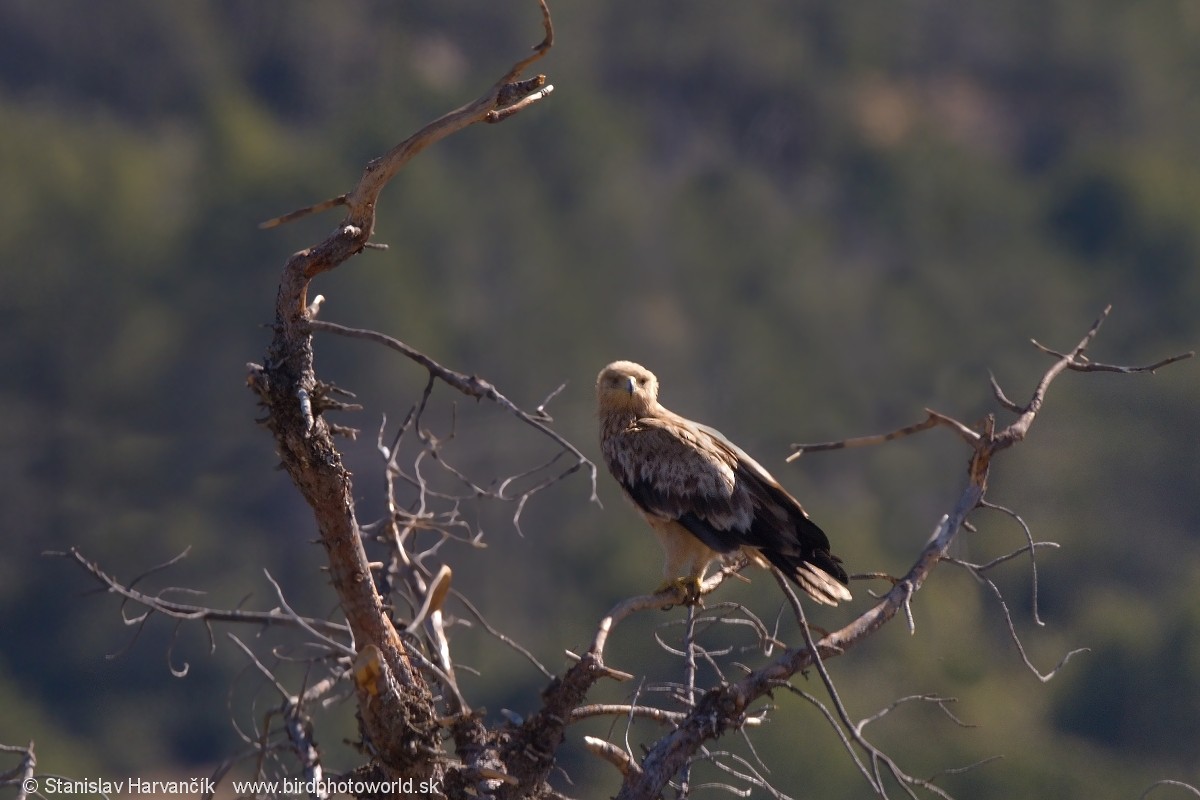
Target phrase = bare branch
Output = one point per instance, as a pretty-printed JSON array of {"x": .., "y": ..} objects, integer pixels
[
  {"x": 863, "y": 441},
  {"x": 1031, "y": 548},
  {"x": 306, "y": 448},
  {"x": 724, "y": 707},
  {"x": 266, "y": 673},
  {"x": 612, "y": 754},
  {"x": 502, "y": 114},
  {"x": 1001, "y": 398},
  {"x": 960, "y": 770},
  {"x": 749, "y": 774},
  {"x": 940, "y": 702},
  {"x": 877, "y": 756},
  {"x": 659, "y": 715},
  {"x": 932, "y": 419},
  {"x": 21, "y": 775},
  {"x": 1017, "y": 431},
  {"x": 1179, "y": 784},
  {"x": 1012, "y": 631},
  {"x": 334, "y": 646},
  {"x": 472, "y": 386},
  {"x": 1081, "y": 363},
  {"x": 505, "y": 98},
  {"x": 185, "y": 611},
  {"x": 667, "y": 598},
  {"x": 487, "y": 626}
]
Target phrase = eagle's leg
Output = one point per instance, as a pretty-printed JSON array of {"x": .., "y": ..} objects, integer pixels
[{"x": 686, "y": 559}]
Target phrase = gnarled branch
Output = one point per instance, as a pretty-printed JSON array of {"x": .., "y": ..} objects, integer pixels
[{"x": 400, "y": 720}]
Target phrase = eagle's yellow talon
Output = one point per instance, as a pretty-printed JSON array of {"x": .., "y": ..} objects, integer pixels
[{"x": 688, "y": 586}]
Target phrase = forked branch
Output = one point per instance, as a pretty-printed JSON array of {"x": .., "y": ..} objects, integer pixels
[{"x": 507, "y": 96}]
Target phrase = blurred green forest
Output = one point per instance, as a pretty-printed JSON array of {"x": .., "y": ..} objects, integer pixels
[{"x": 811, "y": 219}]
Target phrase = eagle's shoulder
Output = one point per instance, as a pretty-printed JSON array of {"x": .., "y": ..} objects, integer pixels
[
  {"x": 668, "y": 436},
  {"x": 669, "y": 464}
]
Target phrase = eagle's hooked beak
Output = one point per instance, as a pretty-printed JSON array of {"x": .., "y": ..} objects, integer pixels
[{"x": 630, "y": 384}]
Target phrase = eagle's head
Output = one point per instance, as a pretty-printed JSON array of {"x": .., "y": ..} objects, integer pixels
[{"x": 624, "y": 386}]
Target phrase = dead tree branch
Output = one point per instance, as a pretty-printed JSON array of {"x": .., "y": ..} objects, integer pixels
[
  {"x": 21, "y": 775},
  {"x": 1178, "y": 784},
  {"x": 399, "y": 719},
  {"x": 507, "y": 96},
  {"x": 478, "y": 388},
  {"x": 158, "y": 604},
  {"x": 724, "y": 708}
]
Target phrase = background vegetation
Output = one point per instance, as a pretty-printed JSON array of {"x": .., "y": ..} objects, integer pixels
[{"x": 811, "y": 219}]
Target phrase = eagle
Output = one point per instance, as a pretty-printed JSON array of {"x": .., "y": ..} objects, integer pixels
[{"x": 702, "y": 495}]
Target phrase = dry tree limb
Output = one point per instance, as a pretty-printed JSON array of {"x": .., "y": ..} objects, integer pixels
[
  {"x": 1082, "y": 363},
  {"x": 296, "y": 722},
  {"x": 671, "y": 596},
  {"x": 1031, "y": 547},
  {"x": 659, "y": 715},
  {"x": 864, "y": 441},
  {"x": 1076, "y": 361},
  {"x": 400, "y": 723},
  {"x": 938, "y": 700},
  {"x": 612, "y": 754},
  {"x": 1178, "y": 784},
  {"x": 932, "y": 419},
  {"x": 854, "y": 730},
  {"x": 506, "y": 97},
  {"x": 499, "y": 636},
  {"x": 478, "y": 388},
  {"x": 748, "y": 774},
  {"x": 157, "y": 604},
  {"x": 725, "y": 708},
  {"x": 977, "y": 573},
  {"x": 21, "y": 775}
]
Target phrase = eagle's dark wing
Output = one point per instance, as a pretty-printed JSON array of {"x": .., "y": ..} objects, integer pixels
[
  {"x": 672, "y": 470},
  {"x": 781, "y": 529},
  {"x": 676, "y": 469}
]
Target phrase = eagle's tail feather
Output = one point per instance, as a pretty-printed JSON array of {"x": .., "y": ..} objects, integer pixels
[{"x": 823, "y": 582}]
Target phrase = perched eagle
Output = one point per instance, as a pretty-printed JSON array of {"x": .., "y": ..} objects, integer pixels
[{"x": 702, "y": 495}]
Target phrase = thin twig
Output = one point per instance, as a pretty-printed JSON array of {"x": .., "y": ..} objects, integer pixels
[
  {"x": 1032, "y": 548},
  {"x": 877, "y": 755},
  {"x": 932, "y": 419},
  {"x": 939, "y": 701},
  {"x": 22, "y": 774},
  {"x": 1080, "y": 363},
  {"x": 1179, "y": 784},
  {"x": 1012, "y": 631},
  {"x": 470, "y": 385},
  {"x": 335, "y": 646},
  {"x": 863, "y": 441},
  {"x": 487, "y": 626},
  {"x": 184, "y": 611}
]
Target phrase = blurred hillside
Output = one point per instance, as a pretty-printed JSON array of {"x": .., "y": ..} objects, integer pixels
[{"x": 812, "y": 220}]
